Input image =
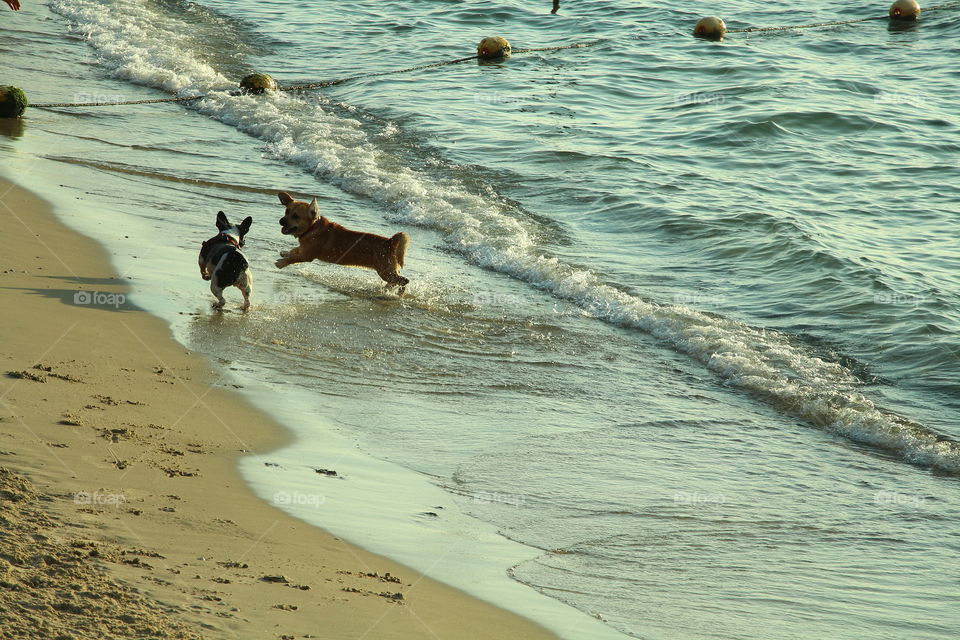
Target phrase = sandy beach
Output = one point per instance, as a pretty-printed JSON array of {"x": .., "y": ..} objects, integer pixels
[{"x": 123, "y": 514}]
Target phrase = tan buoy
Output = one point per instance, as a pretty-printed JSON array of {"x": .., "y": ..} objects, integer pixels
[
  {"x": 257, "y": 83},
  {"x": 905, "y": 10},
  {"x": 493, "y": 48},
  {"x": 710, "y": 28},
  {"x": 13, "y": 102}
]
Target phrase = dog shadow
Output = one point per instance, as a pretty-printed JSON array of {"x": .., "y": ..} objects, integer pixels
[
  {"x": 102, "y": 300},
  {"x": 106, "y": 282}
]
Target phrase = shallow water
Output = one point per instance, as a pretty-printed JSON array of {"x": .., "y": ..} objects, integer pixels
[{"x": 681, "y": 348}]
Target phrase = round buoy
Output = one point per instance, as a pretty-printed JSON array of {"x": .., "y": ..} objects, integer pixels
[
  {"x": 711, "y": 28},
  {"x": 493, "y": 48},
  {"x": 257, "y": 83},
  {"x": 905, "y": 10},
  {"x": 13, "y": 102}
]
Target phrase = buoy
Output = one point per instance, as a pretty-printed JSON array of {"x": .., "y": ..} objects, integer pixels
[
  {"x": 257, "y": 83},
  {"x": 905, "y": 10},
  {"x": 493, "y": 48},
  {"x": 13, "y": 102},
  {"x": 710, "y": 28}
]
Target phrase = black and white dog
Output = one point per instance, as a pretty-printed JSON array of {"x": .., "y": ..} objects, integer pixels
[{"x": 222, "y": 262}]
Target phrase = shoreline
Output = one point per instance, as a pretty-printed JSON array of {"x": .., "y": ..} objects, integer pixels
[{"x": 129, "y": 436}]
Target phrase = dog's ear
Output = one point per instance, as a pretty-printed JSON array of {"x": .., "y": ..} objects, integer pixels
[
  {"x": 245, "y": 225},
  {"x": 314, "y": 209},
  {"x": 222, "y": 223},
  {"x": 285, "y": 198}
]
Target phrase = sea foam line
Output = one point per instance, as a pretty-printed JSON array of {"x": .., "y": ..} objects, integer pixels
[{"x": 146, "y": 47}]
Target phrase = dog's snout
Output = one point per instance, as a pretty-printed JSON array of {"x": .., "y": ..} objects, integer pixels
[{"x": 283, "y": 220}]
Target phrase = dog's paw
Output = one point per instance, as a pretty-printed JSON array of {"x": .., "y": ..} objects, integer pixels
[
  {"x": 281, "y": 263},
  {"x": 284, "y": 254}
]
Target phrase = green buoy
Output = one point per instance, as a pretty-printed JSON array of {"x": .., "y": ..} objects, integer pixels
[
  {"x": 13, "y": 102},
  {"x": 257, "y": 83}
]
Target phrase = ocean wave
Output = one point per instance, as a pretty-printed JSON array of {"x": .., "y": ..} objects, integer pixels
[{"x": 142, "y": 43}]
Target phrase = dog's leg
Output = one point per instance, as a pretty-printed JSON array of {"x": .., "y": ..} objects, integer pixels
[
  {"x": 393, "y": 262},
  {"x": 217, "y": 291},
  {"x": 392, "y": 278},
  {"x": 401, "y": 283},
  {"x": 290, "y": 257},
  {"x": 246, "y": 288}
]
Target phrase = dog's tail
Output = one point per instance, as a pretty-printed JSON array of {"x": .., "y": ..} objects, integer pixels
[{"x": 398, "y": 245}]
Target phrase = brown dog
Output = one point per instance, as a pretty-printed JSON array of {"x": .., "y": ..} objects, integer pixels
[{"x": 321, "y": 239}]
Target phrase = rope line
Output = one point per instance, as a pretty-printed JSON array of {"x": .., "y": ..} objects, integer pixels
[
  {"x": 330, "y": 83},
  {"x": 834, "y": 23},
  {"x": 576, "y": 45},
  {"x": 805, "y": 26},
  {"x": 50, "y": 105},
  {"x": 303, "y": 87}
]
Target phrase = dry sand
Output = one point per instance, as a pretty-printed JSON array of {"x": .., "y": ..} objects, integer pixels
[{"x": 122, "y": 514}]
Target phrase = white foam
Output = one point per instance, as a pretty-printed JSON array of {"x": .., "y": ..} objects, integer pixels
[{"x": 146, "y": 47}]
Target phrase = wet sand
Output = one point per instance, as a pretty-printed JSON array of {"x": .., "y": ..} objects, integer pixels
[{"x": 123, "y": 514}]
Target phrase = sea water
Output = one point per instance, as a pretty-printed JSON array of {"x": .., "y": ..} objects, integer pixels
[{"x": 680, "y": 354}]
